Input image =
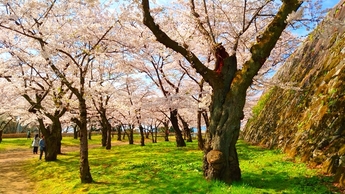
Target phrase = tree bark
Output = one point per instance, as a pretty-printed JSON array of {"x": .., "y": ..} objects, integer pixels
[
  {"x": 220, "y": 155},
  {"x": 201, "y": 141},
  {"x": 52, "y": 136},
  {"x": 108, "y": 144},
  {"x": 166, "y": 130},
  {"x": 75, "y": 132},
  {"x": 142, "y": 139},
  {"x": 178, "y": 134},
  {"x": 104, "y": 135},
  {"x": 118, "y": 129},
  {"x": 85, "y": 174},
  {"x": 186, "y": 129}
]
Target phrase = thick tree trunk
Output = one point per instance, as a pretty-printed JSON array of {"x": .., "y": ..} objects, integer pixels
[
  {"x": 52, "y": 136},
  {"x": 178, "y": 134},
  {"x": 85, "y": 175},
  {"x": 220, "y": 155},
  {"x": 104, "y": 135}
]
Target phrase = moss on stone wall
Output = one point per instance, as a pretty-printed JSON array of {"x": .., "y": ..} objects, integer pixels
[{"x": 308, "y": 122}]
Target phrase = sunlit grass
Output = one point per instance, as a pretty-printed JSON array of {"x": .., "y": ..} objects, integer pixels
[
  {"x": 164, "y": 168},
  {"x": 15, "y": 143}
]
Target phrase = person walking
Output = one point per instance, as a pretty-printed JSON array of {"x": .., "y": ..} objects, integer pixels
[
  {"x": 28, "y": 134},
  {"x": 42, "y": 145},
  {"x": 35, "y": 144}
]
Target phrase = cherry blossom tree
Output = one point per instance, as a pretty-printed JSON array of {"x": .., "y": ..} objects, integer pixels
[
  {"x": 66, "y": 37},
  {"x": 252, "y": 34}
]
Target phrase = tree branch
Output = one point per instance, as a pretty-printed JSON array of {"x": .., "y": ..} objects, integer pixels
[
  {"x": 163, "y": 38},
  {"x": 266, "y": 42}
]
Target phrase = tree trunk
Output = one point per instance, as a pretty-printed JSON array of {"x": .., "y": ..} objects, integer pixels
[
  {"x": 147, "y": 133},
  {"x": 59, "y": 136},
  {"x": 156, "y": 131},
  {"x": 104, "y": 135},
  {"x": 108, "y": 144},
  {"x": 153, "y": 134},
  {"x": 90, "y": 133},
  {"x": 130, "y": 137},
  {"x": 52, "y": 136},
  {"x": 186, "y": 129},
  {"x": 75, "y": 132},
  {"x": 118, "y": 129},
  {"x": 166, "y": 130},
  {"x": 178, "y": 135},
  {"x": 0, "y": 136},
  {"x": 142, "y": 135},
  {"x": 201, "y": 141},
  {"x": 85, "y": 174},
  {"x": 124, "y": 134},
  {"x": 220, "y": 155}
]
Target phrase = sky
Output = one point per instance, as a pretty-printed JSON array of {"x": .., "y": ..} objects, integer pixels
[{"x": 327, "y": 4}]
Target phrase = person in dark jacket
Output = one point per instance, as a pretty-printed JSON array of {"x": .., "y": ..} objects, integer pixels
[{"x": 42, "y": 144}]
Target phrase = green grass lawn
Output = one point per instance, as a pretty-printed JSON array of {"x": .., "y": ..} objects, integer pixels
[{"x": 164, "y": 168}]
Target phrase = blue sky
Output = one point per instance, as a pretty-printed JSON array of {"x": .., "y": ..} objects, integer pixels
[{"x": 330, "y": 3}]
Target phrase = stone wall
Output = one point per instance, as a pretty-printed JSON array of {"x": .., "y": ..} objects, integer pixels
[{"x": 304, "y": 114}]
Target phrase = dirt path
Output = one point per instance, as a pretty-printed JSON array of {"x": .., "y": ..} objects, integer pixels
[{"x": 13, "y": 179}]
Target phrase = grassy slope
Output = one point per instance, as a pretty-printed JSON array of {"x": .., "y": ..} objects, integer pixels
[{"x": 164, "y": 168}]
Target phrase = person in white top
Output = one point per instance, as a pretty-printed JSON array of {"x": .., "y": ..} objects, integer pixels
[{"x": 35, "y": 144}]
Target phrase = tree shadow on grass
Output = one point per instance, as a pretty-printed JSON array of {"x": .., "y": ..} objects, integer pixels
[
  {"x": 280, "y": 182},
  {"x": 249, "y": 152},
  {"x": 266, "y": 170}
]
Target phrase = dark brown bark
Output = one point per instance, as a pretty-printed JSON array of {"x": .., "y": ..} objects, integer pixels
[
  {"x": 186, "y": 129},
  {"x": 178, "y": 134},
  {"x": 130, "y": 137},
  {"x": 85, "y": 175},
  {"x": 130, "y": 134},
  {"x": 118, "y": 129},
  {"x": 75, "y": 132},
  {"x": 104, "y": 121},
  {"x": 104, "y": 135}
]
